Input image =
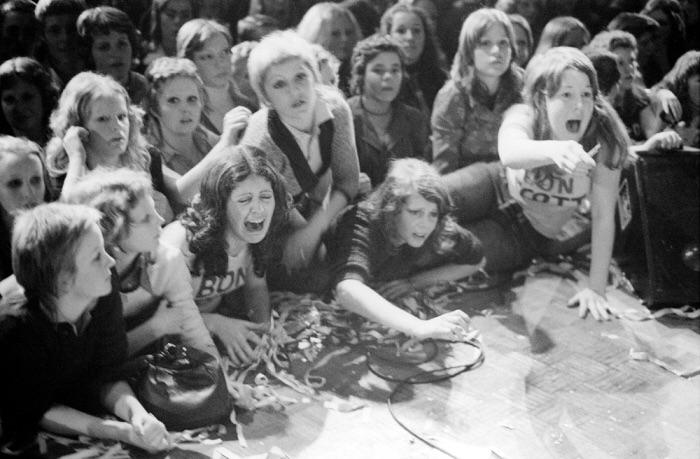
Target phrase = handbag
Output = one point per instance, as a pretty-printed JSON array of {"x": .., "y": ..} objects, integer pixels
[{"x": 182, "y": 386}]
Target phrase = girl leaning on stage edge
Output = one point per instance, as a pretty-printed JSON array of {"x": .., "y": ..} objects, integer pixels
[
  {"x": 553, "y": 135},
  {"x": 400, "y": 239}
]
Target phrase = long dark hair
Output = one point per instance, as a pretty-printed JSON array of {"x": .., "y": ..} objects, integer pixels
[
  {"x": 205, "y": 220},
  {"x": 30, "y": 71}
]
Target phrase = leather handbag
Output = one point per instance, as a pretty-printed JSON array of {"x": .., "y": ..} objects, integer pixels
[{"x": 182, "y": 386}]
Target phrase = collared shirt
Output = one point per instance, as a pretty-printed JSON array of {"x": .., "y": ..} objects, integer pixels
[
  {"x": 308, "y": 141},
  {"x": 406, "y": 136},
  {"x": 465, "y": 128}
]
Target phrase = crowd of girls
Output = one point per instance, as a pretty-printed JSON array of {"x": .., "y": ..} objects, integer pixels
[{"x": 196, "y": 171}]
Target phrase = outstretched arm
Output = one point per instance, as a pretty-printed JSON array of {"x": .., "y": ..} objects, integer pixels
[
  {"x": 418, "y": 281},
  {"x": 518, "y": 149},
  {"x": 361, "y": 299}
]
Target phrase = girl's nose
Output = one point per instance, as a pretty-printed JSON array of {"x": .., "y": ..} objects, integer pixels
[{"x": 109, "y": 261}]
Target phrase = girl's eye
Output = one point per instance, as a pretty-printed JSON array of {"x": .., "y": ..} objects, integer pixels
[
  {"x": 104, "y": 47},
  {"x": 588, "y": 95},
  {"x": 173, "y": 100},
  {"x": 413, "y": 211},
  {"x": 102, "y": 119},
  {"x": 266, "y": 197},
  {"x": 278, "y": 84},
  {"x": 14, "y": 184},
  {"x": 193, "y": 99},
  {"x": 36, "y": 180},
  {"x": 121, "y": 116},
  {"x": 433, "y": 215},
  {"x": 245, "y": 200},
  {"x": 124, "y": 44},
  {"x": 417, "y": 31},
  {"x": 301, "y": 76}
]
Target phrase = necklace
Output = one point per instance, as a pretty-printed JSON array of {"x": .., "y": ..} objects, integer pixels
[{"x": 370, "y": 112}]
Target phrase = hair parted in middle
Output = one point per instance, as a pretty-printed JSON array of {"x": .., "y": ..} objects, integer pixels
[
  {"x": 30, "y": 71},
  {"x": 543, "y": 78},
  {"x": 408, "y": 176},
  {"x": 206, "y": 218},
  {"x": 473, "y": 28},
  {"x": 74, "y": 110}
]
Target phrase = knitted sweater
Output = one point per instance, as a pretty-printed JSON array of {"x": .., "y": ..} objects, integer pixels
[{"x": 342, "y": 173}]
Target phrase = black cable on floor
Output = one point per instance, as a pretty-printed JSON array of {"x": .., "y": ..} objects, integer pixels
[{"x": 417, "y": 379}]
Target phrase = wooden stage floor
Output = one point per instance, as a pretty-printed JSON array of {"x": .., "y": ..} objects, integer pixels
[{"x": 552, "y": 386}]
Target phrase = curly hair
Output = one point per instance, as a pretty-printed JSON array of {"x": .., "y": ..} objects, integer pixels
[
  {"x": 29, "y": 71},
  {"x": 101, "y": 21},
  {"x": 432, "y": 56},
  {"x": 114, "y": 192},
  {"x": 206, "y": 219},
  {"x": 543, "y": 77},
  {"x": 74, "y": 110},
  {"x": 364, "y": 52},
  {"x": 408, "y": 176},
  {"x": 673, "y": 10},
  {"x": 158, "y": 74}
]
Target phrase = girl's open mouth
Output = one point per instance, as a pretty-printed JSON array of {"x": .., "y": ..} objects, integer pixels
[
  {"x": 573, "y": 126},
  {"x": 254, "y": 227}
]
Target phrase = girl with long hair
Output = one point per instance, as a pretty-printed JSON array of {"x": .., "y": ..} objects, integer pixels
[
  {"x": 28, "y": 95},
  {"x": 228, "y": 236},
  {"x": 400, "y": 239},
  {"x": 484, "y": 82},
  {"x": 426, "y": 71},
  {"x": 563, "y": 150}
]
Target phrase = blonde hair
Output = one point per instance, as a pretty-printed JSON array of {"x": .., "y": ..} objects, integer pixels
[
  {"x": 274, "y": 49},
  {"x": 74, "y": 110},
  {"x": 114, "y": 192},
  {"x": 314, "y": 27}
]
